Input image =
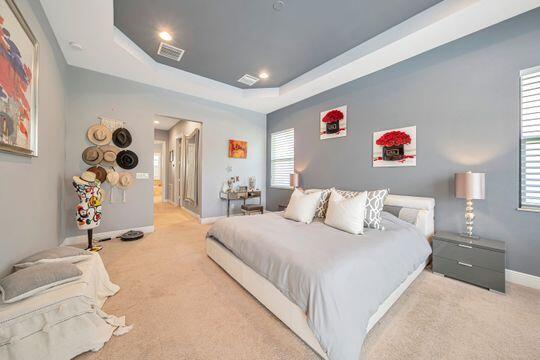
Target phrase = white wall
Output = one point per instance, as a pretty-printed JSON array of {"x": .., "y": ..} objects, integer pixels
[
  {"x": 93, "y": 94},
  {"x": 31, "y": 189}
]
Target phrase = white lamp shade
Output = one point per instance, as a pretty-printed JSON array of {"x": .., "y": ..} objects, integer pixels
[
  {"x": 470, "y": 186},
  {"x": 295, "y": 180}
]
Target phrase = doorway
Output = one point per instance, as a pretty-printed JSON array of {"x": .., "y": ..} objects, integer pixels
[{"x": 159, "y": 175}]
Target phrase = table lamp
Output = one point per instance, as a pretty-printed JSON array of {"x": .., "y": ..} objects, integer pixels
[
  {"x": 295, "y": 180},
  {"x": 470, "y": 186}
]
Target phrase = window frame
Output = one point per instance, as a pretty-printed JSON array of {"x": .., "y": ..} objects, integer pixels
[
  {"x": 521, "y": 206},
  {"x": 281, "y": 186}
]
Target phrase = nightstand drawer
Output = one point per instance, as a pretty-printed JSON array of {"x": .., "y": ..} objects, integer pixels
[
  {"x": 469, "y": 273},
  {"x": 493, "y": 260}
]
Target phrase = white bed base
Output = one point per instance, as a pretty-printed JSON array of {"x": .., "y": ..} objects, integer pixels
[{"x": 288, "y": 312}]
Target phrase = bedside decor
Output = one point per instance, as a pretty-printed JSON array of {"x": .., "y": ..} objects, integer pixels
[
  {"x": 470, "y": 186},
  {"x": 237, "y": 149},
  {"x": 333, "y": 123},
  {"x": 396, "y": 147},
  {"x": 18, "y": 83}
]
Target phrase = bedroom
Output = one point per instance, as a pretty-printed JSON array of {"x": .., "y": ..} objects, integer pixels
[{"x": 457, "y": 77}]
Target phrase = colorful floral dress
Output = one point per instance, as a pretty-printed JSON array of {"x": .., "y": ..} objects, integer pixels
[{"x": 88, "y": 214}]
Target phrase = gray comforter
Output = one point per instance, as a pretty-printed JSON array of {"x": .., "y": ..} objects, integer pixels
[{"x": 338, "y": 279}]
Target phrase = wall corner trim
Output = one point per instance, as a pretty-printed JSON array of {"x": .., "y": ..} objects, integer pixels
[
  {"x": 520, "y": 278},
  {"x": 81, "y": 239}
]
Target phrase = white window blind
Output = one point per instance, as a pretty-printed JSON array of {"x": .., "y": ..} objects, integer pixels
[
  {"x": 530, "y": 139},
  {"x": 157, "y": 166},
  {"x": 282, "y": 158}
]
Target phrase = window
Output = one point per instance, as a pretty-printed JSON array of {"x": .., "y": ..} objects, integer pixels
[
  {"x": 157, "y": 166},
  {"x": 530, "y": 139},
  {"x": 282, "y": 158}
]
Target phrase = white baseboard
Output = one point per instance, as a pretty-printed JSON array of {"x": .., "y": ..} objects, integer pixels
[
  {"x": 81, "y": 239},
  {"x": 520, "y": 278},
  {"x": 210, "y": 220},
  {"x": 193, "y": 214}
]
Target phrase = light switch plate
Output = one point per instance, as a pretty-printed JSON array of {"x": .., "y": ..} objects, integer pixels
[{"x": 142, "y": 176}]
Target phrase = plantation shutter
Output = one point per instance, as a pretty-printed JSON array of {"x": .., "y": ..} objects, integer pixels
[
  {"x": 282, "y": 158},
  {"x": 530, "y": 139}
]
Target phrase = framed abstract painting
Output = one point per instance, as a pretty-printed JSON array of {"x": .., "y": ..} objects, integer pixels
[
  {"x": 395, "y": 147},
  {"x": 237, "y": 149},
  {"x": 333, "y": 123},
  {"x": 18, "y": 82}
]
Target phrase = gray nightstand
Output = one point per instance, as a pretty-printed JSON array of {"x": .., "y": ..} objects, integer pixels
[{"x": 476, "y": 261}]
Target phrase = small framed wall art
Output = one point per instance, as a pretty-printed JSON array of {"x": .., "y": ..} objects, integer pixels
[
  {"x": 333, "y": 123},
  {"x": 237, "y": 149},
  {"x": 18, "y": 82},
  {"x": 395, "y": 147}
]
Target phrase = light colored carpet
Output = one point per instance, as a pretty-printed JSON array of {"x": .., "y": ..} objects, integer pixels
[{"x": 183, "y": 306}]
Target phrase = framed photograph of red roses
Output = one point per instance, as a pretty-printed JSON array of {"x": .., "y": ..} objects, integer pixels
[
  {"x": 395, "y": 147},
  {"x": 334, "y": 123}
]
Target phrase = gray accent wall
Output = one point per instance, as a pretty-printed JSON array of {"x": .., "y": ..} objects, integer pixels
[
  {"x": 464, "y": 99},
  {"x": 31, "y": 189},
  {"x": 93, "y": 94}
]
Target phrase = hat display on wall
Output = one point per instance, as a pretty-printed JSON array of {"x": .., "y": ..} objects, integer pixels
[
  {"x": 99, "y": 134},
  {"x": 92, "y": 155},
  {"x": 125, "y": 180},
  {"x": 101, "y": 173},
  {"x": 109, "y": 154},
  {"x": 86, "y": 178},
  {"x": 127, "y": 159},
  {"x": 121, "y": 137}
]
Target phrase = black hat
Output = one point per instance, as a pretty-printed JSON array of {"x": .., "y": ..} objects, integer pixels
[
  {"x": 127, "y": 159},
  {"x": 121, "y": 138}
]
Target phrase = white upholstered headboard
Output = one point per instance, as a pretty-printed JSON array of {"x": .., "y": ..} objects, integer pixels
[{"x": 417, "y": 210}]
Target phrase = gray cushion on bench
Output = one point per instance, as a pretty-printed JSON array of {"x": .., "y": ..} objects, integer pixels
[
  {"x": 35, "y": 279},
  {"x": 60, "y": 254}
]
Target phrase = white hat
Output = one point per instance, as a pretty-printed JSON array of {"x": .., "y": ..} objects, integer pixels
[
  {"x": 125, "y": 180},
  {"x": 99, "y": 134},
  {"x": 86, "y": 178},
  {"x": 113, "y": 177}
]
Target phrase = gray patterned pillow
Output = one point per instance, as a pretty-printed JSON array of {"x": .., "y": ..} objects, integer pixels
[
  {"x": 374, "y": 206},
  {"x": 323, "y": 203}
]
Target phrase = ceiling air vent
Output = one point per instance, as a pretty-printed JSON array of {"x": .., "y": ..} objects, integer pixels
[
  {"x": 248, "y": 80},
  {"x": 170, "y": 52}
]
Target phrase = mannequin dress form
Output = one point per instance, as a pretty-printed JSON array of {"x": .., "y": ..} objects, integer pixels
[{"x": 88, "y": 211}]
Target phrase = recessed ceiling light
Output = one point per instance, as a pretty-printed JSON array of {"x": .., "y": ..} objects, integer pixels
[
  {"x": 165, "y": 36},
  {"x": 263, "y": 75},
  {"x": 156, "y": 122}
]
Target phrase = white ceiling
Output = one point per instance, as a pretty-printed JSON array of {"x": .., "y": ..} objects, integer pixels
[
  {"x": 165, "y": 122},
  {"x": 108, "y": 51}
]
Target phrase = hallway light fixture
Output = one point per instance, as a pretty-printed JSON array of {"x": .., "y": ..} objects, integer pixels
[{"x": 165, "y": 36}]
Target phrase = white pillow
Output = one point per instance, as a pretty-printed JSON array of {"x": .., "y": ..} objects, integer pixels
[
  {"x": 302, "y": 206},
  {"x": 346, "y": 214}
]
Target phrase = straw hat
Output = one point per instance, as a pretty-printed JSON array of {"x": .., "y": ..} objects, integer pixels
[
  {"x": 127, "y": 159},
  {"x": 125, "y": 180},
  {"x": 101, "y": 173},
  {"x": 109, "y": 154},
  {"x": 121, "y": 137},
  {"x": 86, "y": 178},
  {"x": 113, "y": 177},
  {"x": 92, "y": 155},
  {"x": 99, "y": 134}
]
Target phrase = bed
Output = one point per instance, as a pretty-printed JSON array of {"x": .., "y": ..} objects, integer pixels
[{"x": 327, "y": 286}]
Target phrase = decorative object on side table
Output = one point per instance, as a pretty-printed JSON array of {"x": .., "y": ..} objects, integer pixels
[
  {"x": 18, "y": 83},
  {"x": 396, "y": 147},
  {"x": 333, "y": 123},
  {"x": 476, "y": 261},
  {"x": 470, "y": 186}
]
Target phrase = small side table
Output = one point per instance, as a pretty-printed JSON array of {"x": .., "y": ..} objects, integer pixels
[
  {"x": 229, "y": 196},
  {"x": 480, "y": 262}
]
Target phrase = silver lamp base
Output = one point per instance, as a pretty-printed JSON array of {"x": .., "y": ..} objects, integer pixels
[
  {"x": 467, "y": 236},
  {"x": 469, "y": 220}
]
